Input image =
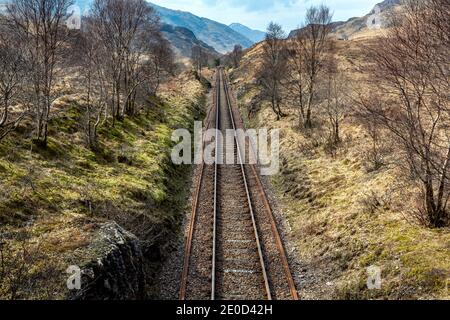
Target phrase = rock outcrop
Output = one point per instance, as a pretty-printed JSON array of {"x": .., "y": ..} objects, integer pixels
[{"x": 116, "y": 269}]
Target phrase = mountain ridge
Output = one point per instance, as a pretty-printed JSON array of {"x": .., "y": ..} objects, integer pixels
[
  {"x": 183, "y": 40},
  {"x": 217, "y": 35},
  {"x": 357, "y": 26},
  {"x": 375, "y": 19},
  {"x": 212, "y": 33},
  {"x": 252, "y": 34}
]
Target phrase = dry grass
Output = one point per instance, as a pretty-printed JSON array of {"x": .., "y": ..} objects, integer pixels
[
  {"x": 59, "y": 195},
  {"x": 345, "y": 218}
]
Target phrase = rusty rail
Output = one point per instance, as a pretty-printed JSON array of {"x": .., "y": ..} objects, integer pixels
[
  {"x": 220, "y": 81},
  {"x": 270, "y": 215}
]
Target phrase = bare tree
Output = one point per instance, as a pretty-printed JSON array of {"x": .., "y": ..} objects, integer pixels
[
  {"x": 160, "y": 64},
  {"x": 374, "y": 155},
  {"x": 199, "y": 58},
  {"x": 39, "y": 26},
  {"x": 143, "y": 28},
  {"x": 273, "y": 68},
  {"x": 295, "y": 80},
  {"x": 411, "y": 76},
  {"x": 308, "y": 52},
  {"x": 236, "y": 56},
  {"x": 122, "y": 26},
  {"x": 93, "y": 72},
  {"x": 336, "y": 99},
  {"x": 106, "y": 24},
  {"x": 13, "y": 75}
]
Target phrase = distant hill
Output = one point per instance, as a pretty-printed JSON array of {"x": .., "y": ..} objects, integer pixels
[
  {"x": 334, "y": 26},
  {"x": 363, "y": 26},
  {"x": 371, "y": 22},
  {"x": 183, "y": 40},
  {"x": 254, "y": 35},
  {"x": 217, "y": 35}
]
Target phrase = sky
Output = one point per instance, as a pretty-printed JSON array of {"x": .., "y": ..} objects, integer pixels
[{"x": 257, "y": 14}]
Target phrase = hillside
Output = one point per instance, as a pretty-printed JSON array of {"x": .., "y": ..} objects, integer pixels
[
  {"x": 333, "y": 26},
  {"x": 219, "y": 36},
  {"x": 347, "y": 197},
  {"x": 370, "y": 23},
  {"x": 366, "y": 26},
  {"x": 254, "y": 35},
  {"x": 183, "y": 40},
  {"x": 342, "y": 216},
  {"x": 56, "y": 203},
  {"x": 178, "y": 27}
]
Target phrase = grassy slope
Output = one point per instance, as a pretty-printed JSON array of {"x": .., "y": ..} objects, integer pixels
[
  {"x": 56, "y": 197},
  {"x": 344, "y": 219}
]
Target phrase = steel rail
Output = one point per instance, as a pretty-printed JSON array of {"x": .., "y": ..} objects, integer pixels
[
  {"x": 255, "y": 228},
  {"x": 189, "y": 237},
  {"x": 269, "y": 211},
  {"x": 222, "y": 81},
  {"x": 216, "y": 170}
]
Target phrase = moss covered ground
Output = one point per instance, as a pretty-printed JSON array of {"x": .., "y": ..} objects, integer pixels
[
  {"x": 342, "y": 217},
  {"x": 53, "y": 199}
]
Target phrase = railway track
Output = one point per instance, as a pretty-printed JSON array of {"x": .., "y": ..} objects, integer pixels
[{"x": 233, "y": 250}]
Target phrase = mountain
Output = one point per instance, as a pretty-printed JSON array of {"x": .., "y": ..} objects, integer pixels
[
  {"x": 183, "y": 40},
  {"x": 389, "y": 4},
  {"x": 254, "y": 35},
  {"x": 217, "y": 35},
  {"x": 367, "y": 25},
  {"x": 371, "y": 23}
]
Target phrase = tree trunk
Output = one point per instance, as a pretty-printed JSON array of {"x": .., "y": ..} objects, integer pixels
[
  {"x": 337, "y": 137},
  {"x": 4, "y": 117},
  {"x": 118, "y": 113},
  {"x": 308, "y": 122}
]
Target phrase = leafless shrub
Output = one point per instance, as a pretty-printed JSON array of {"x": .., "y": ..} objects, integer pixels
[
  {"x": 371, "y": 202},
  {"x": 410, "y": 73},
  {"x": 307, "y": 53},
  {"x": 38, "y": 26},
  {"x": 13, "y": 78},
  {"x": 199, "y": 59},
  {"x": 236, "y": 56},
  {"x": 125, "y": 29},
  {"x": 19, "y": 276},
  {"x": 273, "y": 68},
  {"x": 375, "y": 153},
  {"x": 336, "y": 100}
]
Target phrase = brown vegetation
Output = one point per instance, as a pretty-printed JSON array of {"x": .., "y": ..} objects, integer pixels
[
  {"x": 86, "y": 119},
  {"x": 119, "y": 52},
  {"x": 410, "y": 74},
  {"x": 375, "y": 159},
  {"x": 273, "y": 67}
]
